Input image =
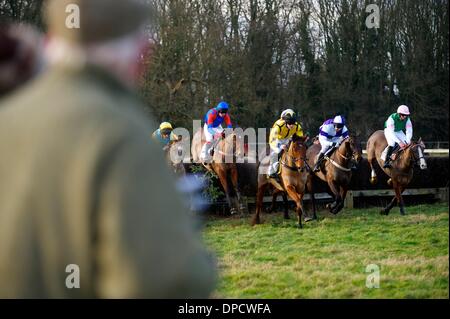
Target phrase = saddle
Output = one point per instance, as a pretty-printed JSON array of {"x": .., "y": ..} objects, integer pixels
[{"x": 395, "y": 153}]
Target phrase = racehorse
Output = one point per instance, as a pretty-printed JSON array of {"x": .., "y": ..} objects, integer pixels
[
  {"x": 335, "y": 171},
  {"x": 293, "y": 175},
  {"x": 173, "y": 152},
  {"x": 223, "y": 164},
  {"x": 402, "y": 168}
]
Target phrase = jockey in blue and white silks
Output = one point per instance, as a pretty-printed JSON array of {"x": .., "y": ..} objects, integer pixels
[{"x": 332, "y": 133}]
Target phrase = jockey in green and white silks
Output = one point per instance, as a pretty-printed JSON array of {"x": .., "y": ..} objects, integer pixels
[{"x": 398, "y": 129}]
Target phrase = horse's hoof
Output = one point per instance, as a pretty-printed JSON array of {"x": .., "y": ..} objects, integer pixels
[
  {"x": 384, "y": 212},
  {"x": 233, "y": 211},
  {"x": 308, "y": 219},
  {"x": 389, "y": 182},
  {"x": 328, "y": 206},
  {"x": 373, "y": 180},
  {"x": 300, "y": 226}
]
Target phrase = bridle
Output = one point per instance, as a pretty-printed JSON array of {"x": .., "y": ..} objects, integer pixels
[
  {"x": 416, "y": 159},
  {"x": 295, "y": 159},
  {"x": 346, "y": 158}
]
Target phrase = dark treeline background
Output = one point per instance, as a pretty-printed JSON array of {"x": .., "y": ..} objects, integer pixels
[{"x": 316, "y": 56}]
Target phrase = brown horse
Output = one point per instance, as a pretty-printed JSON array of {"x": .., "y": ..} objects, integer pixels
[
  {"x": 335, "y": 171},
  {"x": 402, "y": 168},
  {"x": 293, "y": 178},
  {"x": 223, "y": 164}
]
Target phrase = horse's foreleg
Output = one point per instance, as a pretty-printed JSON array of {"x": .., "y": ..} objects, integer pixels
[
  {"x": 398, "y": 193},
  {"x": 259, "y": 203},
  {"x": 286, "y": 206},
  {"x": 234, "y": 181},
  {"x": 298, "y": 202},
  {"x": 313, "y": 198},
  {"x": 271, "y": 209},
  {"x": 387, "y": 209},
  {"x": 337, "y": 196},
  {"x": 343, "y": 194},
  {"x": 223, "y": 180},
  {"x": 373, "y": 174}
]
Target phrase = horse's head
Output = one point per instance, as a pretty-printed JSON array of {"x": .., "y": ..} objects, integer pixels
[
  {"x": 417, "y": 150},
  {"x": 232, "y": 145},
  {"x": 174, "y": 152},
  {"x": 352, "y": 148},
  {"x": 297, "y": 151}
]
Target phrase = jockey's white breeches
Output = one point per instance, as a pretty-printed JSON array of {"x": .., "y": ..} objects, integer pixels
[
  {"x": 326, "y": 143},
  {"x": 208, "y": 136},
  {"x": 395, "y": 137}
]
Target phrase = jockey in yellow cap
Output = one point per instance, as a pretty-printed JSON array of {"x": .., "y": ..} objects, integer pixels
[
  {"x": 164, "y": 134},
  {"x": 280, "y": 135}
]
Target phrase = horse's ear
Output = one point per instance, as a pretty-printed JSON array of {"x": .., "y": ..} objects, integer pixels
[
  {"x": 179, "y": 137},
  {"x": 420, "y": 142}
]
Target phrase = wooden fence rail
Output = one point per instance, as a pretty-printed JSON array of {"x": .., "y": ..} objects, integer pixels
[{"x": 440, "y": 194}]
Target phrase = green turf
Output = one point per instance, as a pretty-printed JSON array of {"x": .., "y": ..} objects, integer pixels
[{"x": 328, "y": 258}]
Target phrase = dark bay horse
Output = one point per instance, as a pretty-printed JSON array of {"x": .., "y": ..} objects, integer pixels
[
  {"x": 223, "y": 164},
  {"x": 335, "y": 171},
  {"x": 293, "y": 178},
  {"x": 401, "y": 172}
]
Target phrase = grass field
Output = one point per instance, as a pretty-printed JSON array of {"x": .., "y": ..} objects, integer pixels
[{"x": 328, "y": 258}]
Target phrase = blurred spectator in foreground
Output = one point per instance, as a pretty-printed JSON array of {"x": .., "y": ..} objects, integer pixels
[
  {"x": 20, "y": 56},
  {"x": 86, "y": 200}
]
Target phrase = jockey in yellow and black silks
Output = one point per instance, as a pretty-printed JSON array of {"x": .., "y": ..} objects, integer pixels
[{"x": 280, "y": 135}]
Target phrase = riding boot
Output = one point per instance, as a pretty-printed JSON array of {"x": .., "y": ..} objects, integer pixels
[
  {"x": 318, "y": 163},
  {"x": 387, "y": 162},
  {"x": 206, "y": 151},
  {"x": 273, "y": 170}
]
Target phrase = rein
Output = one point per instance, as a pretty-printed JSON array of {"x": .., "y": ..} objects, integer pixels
[
  {"x": 295, "y": 168},
  {"x": 226, "y": 143},
  {"x": 336, "y": 164},
  {"x": 413, "y": 157}
]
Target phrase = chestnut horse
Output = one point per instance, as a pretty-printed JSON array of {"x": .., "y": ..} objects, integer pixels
[
  {"x": 223, "y": 164},
  {"x": 402, "y": 168},
  {"x": 293, "y": 178},
  {"x": 335, "y": 171}
]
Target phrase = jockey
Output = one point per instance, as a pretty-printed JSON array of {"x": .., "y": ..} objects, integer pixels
[
  {"x": 213, "y": 129},
  {"x": 164, "y": 134},
  {"x": 280, "y": 134},
  {"x": 332, "y": 133},
  {"x": 394, "y": 130}
]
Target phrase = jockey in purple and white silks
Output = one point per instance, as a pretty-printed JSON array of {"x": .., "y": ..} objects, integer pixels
[{"x": 332, "y": 133}]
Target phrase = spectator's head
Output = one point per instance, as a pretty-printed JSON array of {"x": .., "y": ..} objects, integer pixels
[
  {"x": 20, "y": 56},
  {"x": 107, "y": 33}
]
